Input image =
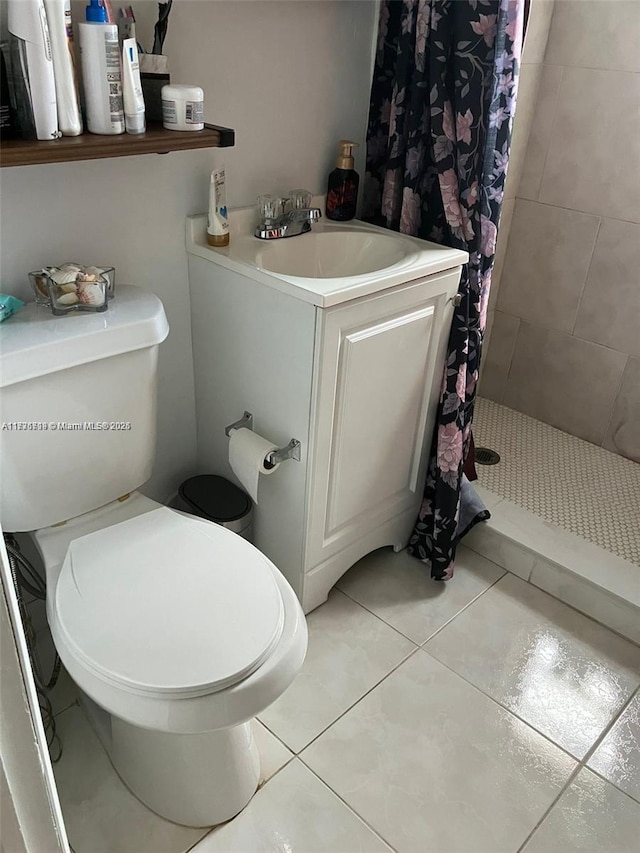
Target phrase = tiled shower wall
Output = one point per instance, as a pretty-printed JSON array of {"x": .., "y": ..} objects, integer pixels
[{"x": 565, "y": 317}]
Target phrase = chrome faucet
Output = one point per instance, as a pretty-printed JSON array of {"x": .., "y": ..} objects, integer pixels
[{"x": 285, "y": 217}]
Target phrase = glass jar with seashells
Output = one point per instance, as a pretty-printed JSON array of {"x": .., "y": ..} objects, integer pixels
[{"x": 73, "y": 287}]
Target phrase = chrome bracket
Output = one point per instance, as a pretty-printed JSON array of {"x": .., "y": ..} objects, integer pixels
[
  {"x": 291, "y": 451},
  {"x": 245, "y": 421}
]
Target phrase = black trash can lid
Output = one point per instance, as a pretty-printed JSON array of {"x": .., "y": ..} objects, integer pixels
[{"x": 215, "y": 497}]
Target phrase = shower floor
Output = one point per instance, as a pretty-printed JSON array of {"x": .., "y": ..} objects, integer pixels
[
  {"x": 565, "y": 516},
  {"x": 569, "y": 482}
]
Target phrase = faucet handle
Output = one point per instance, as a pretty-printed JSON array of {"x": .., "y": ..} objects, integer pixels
[
  {"x": 270, "y": 207},
  {"x": 300, "y": 199}
]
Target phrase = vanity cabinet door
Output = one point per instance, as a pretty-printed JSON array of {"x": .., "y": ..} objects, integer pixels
[{"x": 377, "y": 378}]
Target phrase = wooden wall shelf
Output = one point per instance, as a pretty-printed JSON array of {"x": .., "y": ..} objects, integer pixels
[{"x": 89, "y": 146}]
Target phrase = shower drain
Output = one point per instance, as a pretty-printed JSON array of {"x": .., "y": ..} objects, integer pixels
[{"x": 485, "y": 456}]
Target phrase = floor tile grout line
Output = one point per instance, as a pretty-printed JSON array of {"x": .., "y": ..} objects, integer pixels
[
  {"x": 607, "y": 731},
  {"x": 570, "y": 779},
  {"x": 591, "y": 618},
  {"x": 346, "y": 711},
  {"x": 377, "y": 616},
  {"x": 597, "y": 773},
  {"x": 467, "y": 681},
  {"x": 399, "y": 664},
  {"x": 562, "y": 601},
  {"x": 350, "y": 807},
  {"x": 503, "y": 706},
  {"x": 582, "y": 765},
  {"x": 579, "y": 763},
  {"x": 456, "y": 614},
  {"x": 473, "y": 600},
  {"x": 260, "y": 787},
  {"x": 277, "y": 737},
  {"x": 404, "y": 660}
]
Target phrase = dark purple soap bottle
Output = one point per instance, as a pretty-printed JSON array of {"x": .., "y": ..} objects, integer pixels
[{"x": 342, "y": 188}]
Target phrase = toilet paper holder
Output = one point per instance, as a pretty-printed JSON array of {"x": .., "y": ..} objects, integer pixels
[{"x": 291, "y": 451}]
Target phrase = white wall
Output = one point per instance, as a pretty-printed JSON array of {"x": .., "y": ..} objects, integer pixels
[{"x": 291, "y": 77}]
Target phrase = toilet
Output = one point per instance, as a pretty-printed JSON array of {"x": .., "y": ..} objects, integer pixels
[{"x": 176, "y": 631}]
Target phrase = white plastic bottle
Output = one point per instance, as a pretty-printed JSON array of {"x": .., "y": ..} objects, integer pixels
[
  {"x": 101, "y": 75},
  {"x": 61, "y": 34},
  {"x": 33, "y": 68},
  {"x": 133, "y": 98}
]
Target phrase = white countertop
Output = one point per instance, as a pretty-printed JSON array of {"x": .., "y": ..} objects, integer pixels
[{"x": 421, "y": 259}]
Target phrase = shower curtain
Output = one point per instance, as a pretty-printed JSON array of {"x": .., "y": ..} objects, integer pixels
[{"x": 442, "y": 102}]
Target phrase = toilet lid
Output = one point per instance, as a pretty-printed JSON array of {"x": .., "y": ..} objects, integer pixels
[{"x": 168, "y": 604}]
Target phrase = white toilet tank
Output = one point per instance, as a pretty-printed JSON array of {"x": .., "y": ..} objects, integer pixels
[{"x": 78, "y": 408}]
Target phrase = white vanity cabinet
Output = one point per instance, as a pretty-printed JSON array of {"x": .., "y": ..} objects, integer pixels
[{"x": 355, "y": 380}]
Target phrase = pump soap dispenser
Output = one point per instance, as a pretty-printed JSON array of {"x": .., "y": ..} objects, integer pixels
[{"x": 342, "y": 189}]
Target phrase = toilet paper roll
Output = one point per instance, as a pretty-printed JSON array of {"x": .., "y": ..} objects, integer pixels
[{"x": 247, "y": 453}]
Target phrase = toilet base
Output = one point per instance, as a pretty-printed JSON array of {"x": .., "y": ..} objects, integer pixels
[{"x": 192, "y": 779}]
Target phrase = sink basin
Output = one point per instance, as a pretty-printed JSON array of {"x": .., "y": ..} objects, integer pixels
[
  {"x": 332, "y": 254},
  {"x": 333, "y": 263}
]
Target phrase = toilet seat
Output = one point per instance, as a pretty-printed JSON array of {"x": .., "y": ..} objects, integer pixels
[{"x": 168, "y": 606}]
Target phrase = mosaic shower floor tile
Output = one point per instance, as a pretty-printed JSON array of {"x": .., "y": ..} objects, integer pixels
[{"x": 563, "y": 479}]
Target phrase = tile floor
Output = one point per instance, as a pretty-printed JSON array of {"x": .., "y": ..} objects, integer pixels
[{"x": 477, "y": 716}]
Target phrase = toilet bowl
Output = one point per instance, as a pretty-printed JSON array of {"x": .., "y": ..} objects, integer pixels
[
  {"x": 177, "y": 631},
  {"x": 182, "y": 632}
]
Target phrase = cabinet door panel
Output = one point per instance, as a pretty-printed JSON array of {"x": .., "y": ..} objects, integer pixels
[
  {"x": 375, "y": 396},
  {"x": 379, "y": 394}
]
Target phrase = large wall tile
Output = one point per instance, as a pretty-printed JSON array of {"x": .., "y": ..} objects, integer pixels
[
  {"x": 535, "y": 42},
  {"x": 623, "y": 435},
  {"x": 527, "y": 95},
  {"x": 540, "y": 134},
  {"x": 596, "y": 34},
  {"x": 610, "y": 309},
  {"x": 496, "y": 359},
  {"x": 546, "y": 264},
  {"x": 593, "y": 162},
  {"x": 563, "y": 381}
]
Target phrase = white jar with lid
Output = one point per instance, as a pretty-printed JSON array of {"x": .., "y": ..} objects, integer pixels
[{"x": 182, "y": 107}]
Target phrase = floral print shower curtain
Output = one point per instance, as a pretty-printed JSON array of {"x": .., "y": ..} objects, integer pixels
[{"x": 442, "y": 103}]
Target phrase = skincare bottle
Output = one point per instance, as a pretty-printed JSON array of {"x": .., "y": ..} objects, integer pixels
[
  {"x": 61, "y": 33},
  {"x": 342, "y": 188},
  {"x": 9, "y": 127},
  {"x": 182, "y": 107},
  {"x": 218, "y": 218},
  {"x": 32, "y": 68},
  {"x": 133, "y": 98},
  {"x": 100, "y": 57}
]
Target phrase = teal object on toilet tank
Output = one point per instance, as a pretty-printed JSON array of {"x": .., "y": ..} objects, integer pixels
[{"x": 9, "y": 305}]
